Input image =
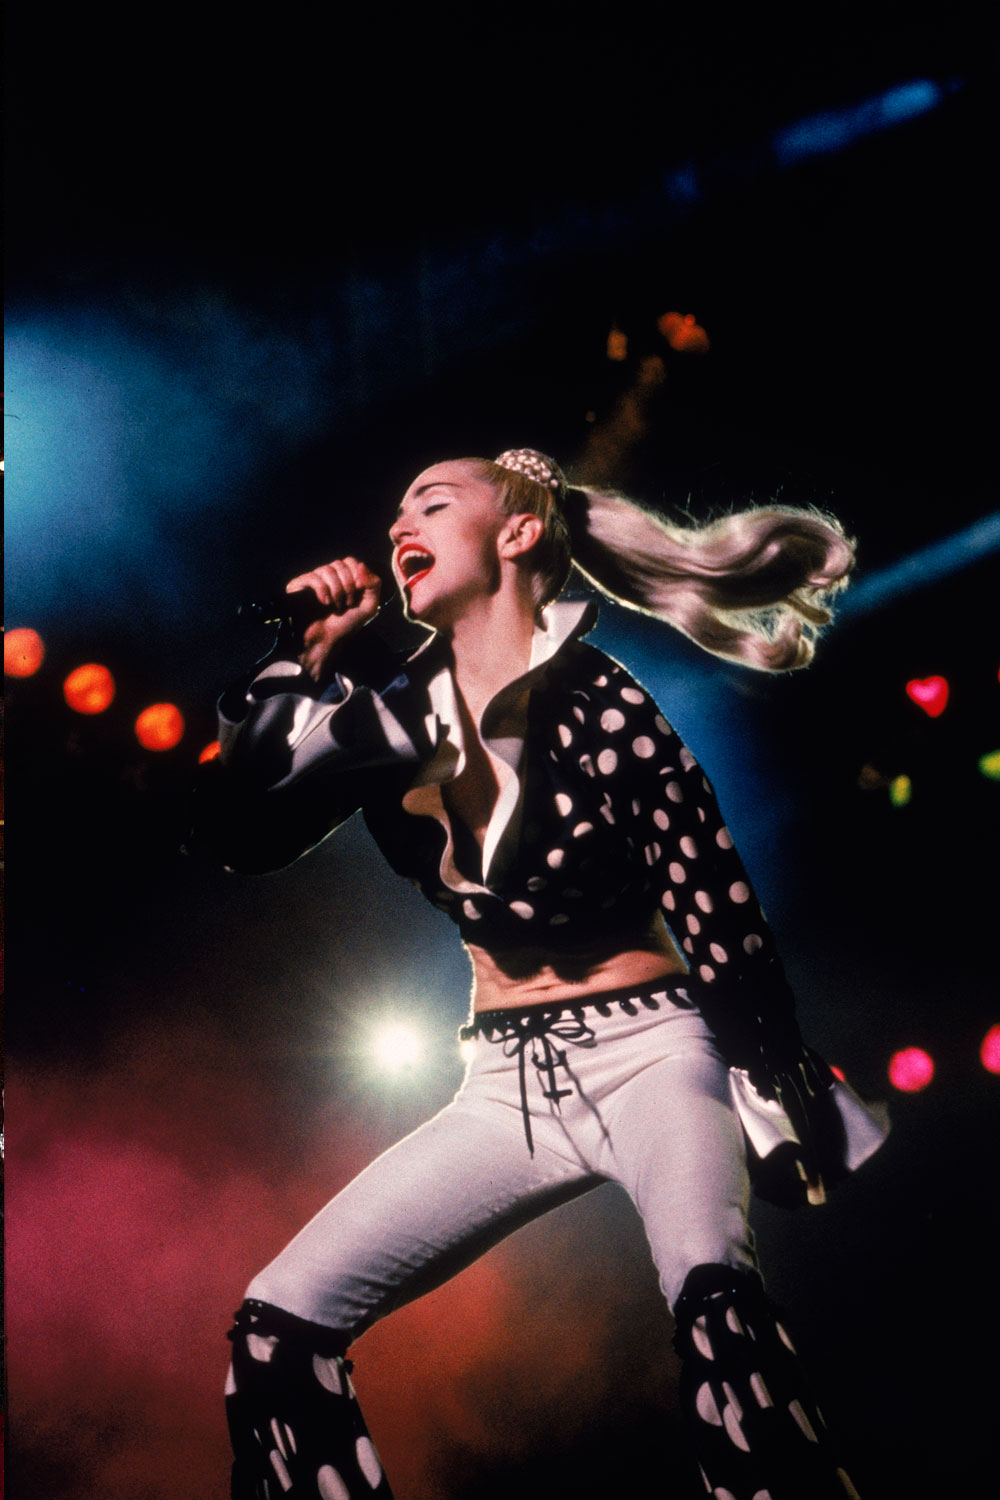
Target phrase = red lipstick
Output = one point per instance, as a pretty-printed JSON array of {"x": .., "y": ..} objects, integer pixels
[{"x": 412, "y": 563}]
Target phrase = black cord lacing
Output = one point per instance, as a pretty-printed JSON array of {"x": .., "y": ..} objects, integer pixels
[{"x": 519, "y": 1029}]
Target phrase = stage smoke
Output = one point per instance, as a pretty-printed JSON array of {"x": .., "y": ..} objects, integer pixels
[{"x": 143, "y": 1194}]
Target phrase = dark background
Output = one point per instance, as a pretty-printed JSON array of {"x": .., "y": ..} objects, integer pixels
[{"x": 260, "y": 274}]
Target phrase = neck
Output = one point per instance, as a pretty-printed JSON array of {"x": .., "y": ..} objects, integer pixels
[{"x": 491, "y": 645}]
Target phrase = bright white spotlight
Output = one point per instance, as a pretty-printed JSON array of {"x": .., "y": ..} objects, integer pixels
[{"x": 397, "y": 1047}]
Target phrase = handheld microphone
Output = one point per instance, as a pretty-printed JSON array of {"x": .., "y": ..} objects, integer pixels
[{"x": 297, "y": 609}]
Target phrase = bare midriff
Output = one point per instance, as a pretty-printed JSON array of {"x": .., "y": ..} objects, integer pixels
[{"x": 533, "y": 976}]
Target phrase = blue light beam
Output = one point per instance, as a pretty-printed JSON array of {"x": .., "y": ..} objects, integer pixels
[
  {"x": 833, "y": 129},
  {"x": 926, "y": 566}
]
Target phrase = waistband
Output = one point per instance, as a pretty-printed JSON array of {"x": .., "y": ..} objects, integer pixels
[{"x": 674, "y": 989}]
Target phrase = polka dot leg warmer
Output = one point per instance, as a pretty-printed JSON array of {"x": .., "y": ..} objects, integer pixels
[
  {"x": 294, "y": 1420},
  {"x": 757, "y": 1433}
]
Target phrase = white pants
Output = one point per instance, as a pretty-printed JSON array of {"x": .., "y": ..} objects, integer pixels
[{"x": 644, "y": 1102}]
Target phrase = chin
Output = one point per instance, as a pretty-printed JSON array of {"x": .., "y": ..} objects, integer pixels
[
  {"x": 420, "y": 613},
  {"x": 414, "y": 616}
]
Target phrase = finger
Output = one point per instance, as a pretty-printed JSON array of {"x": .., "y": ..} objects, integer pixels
[
  {"x": 331, "y": 583},
  {"x": 344, "y": 591},
  {"x": 363, "y": 576},
  {"x": 341, "y": 585},
  {"x": 314, "y": 581},
  {"x": 367, "y": 585}
]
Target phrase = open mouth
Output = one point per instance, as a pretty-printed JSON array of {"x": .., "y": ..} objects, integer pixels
[{"x": 413, "y": 562}]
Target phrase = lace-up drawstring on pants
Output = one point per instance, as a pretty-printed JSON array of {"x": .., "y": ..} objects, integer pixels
[
  {"x": 519, "y": 1030},
  {"x": 542, "y": 1027}
]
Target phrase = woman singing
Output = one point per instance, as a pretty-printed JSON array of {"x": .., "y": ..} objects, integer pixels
[{"x": 629, "y": 1017}]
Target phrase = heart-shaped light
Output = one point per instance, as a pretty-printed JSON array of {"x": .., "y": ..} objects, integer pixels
[{"x": 929, "y": 693}]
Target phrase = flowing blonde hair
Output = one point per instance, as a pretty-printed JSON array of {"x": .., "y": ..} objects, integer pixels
[{"x": 754, "y": 586}]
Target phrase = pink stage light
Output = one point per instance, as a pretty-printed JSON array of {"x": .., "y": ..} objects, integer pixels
[
  {"x": 989, "y": 1052},
  {"x": 911, "y": 1070}
]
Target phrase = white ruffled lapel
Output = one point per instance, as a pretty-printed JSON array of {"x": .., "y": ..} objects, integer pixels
[{"x": 502, "y": 730}]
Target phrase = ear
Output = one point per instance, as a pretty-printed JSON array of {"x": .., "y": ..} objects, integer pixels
[{"x": 519, "y": 534}]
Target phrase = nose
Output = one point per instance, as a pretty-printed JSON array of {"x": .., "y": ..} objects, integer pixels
[{"x": 400, "y": 528}]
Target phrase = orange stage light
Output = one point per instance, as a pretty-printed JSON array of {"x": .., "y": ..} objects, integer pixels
[
  {"x": 89, "y": 689},
  {"x": 159, "y": 727},
  {"x": 210, "y": 752},
  {"x": 23, "y": 652},
  {"x": 617, "y": 345},
  {"x": 683, "y": 333}
]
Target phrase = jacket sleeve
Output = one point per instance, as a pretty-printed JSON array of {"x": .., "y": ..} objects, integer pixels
[
  {"x": 295, "y": 763},
  {"x": 669, "y": 807}
]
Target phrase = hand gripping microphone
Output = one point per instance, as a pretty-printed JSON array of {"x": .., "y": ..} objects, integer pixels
[{"x": 297, "y": 610}]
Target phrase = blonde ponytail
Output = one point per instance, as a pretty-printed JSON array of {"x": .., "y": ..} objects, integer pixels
[{"x": 752, "y": 586}]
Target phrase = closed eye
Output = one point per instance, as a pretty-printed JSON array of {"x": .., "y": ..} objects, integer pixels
[{"x": 441, "y": 505}]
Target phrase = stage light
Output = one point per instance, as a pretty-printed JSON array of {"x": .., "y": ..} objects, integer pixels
[
  {"x": 900, "y": 790},
  {"x": 210, "y": 752},
  {"x": 682, "y": 186},
  {"x": 159, "y": 727},
  {"x": 990, "y": 765},
  {"x": 989, "y": 1052},
  {"x": 617, "y": 345},
  {"x": 89, "y": 689},
  {"x": 683, "y": 333},
  {"x": 921, "y": 568},
  {"x": 397, "y": 1047},
  {"x": 911, "y": 1070},
  {"x": 834, "y": 129},
  {"x": 23, "y": 652},
  {"x": 652, "y": 371},
  {"x": 929, "y": 693}
]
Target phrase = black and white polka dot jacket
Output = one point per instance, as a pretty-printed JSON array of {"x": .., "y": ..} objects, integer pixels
[{"x": 603, "y": 817}]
